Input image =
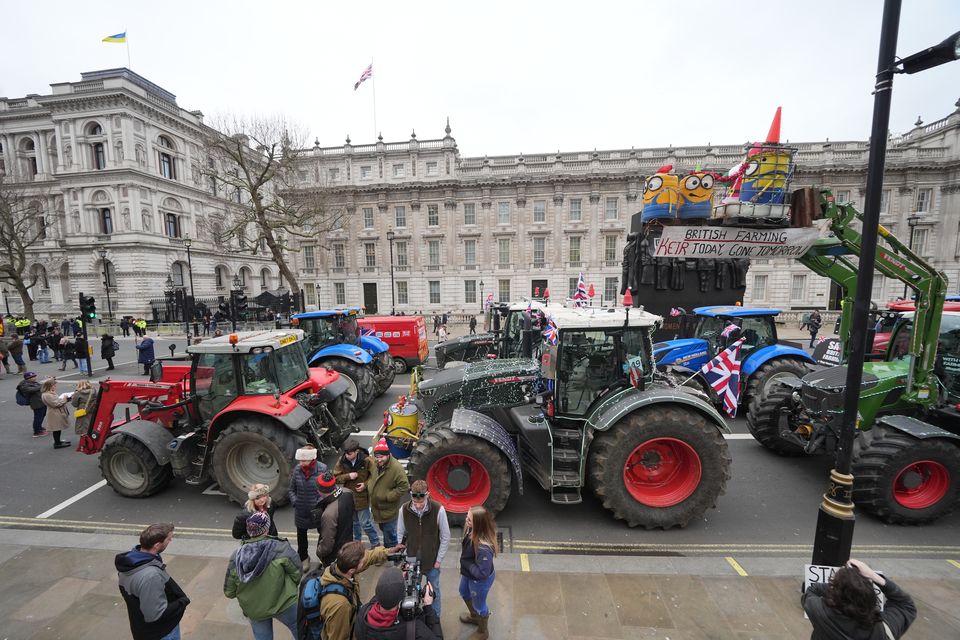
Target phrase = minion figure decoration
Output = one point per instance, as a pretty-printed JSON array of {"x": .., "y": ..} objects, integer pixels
[
  {"x": 768, "y": 168},
  {"x": 660, "y": 195},
  {"x": 696, "y": 196}
]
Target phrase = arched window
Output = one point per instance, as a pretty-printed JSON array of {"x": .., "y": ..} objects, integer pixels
[
  {"x": 177, "y": 274},
  {"x": 172, "y": 223},
  {"x": 168, "y": 167},
  {"x": 99, "y": 157},
  {"x": 109, "y": 274},
  {"x": 106, "y": 221},
  {"x": 94, "y": 129},
  {"x": 40, "y": 274},
  {"x": 264, "y": 278},
  {"x": 30, "y": 167},
  {"x": 246, "y": 275}
]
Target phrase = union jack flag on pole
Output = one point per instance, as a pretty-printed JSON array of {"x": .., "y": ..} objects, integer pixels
[
  {"x": 581, "y": 295},
  {"x": 723, "y": 376},
  {"x": 550, "y": 333},
  {"x": 488, "y": 303},
  {"x": 367, "y": 73}
]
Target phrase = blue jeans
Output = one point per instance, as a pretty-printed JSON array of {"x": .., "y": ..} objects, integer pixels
[
  {"x": 83, "y": 365},
  {"x": 43, "y": 354},
  {"x": 476, "y": 591},
  {"x": 363, "y": 523},
  {"x": 38, "y": 416},
  {"x": 433, "y": 577},
  {"x": 263, "y": 629},
  {"x": 389, "y": 530},
  {"x": 173, "y": 635},
  {"x": 18, "y": 360}
]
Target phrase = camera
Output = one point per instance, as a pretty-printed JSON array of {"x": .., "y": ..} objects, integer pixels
[{"x": 414, "y": 586}]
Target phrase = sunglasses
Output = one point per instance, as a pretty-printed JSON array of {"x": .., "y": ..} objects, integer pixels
[{"x": 418, "y": 495}]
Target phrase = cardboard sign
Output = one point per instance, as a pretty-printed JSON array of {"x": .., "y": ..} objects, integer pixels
[
  {"x": 734, "y": 242},
  {"x": 829, "y": 352},
  {"x": 815, "y": 573}
]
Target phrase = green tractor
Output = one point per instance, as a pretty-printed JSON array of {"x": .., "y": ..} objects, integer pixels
[
  {"x": 592, "y": 413},
  {"x": 906, "y": 457}
]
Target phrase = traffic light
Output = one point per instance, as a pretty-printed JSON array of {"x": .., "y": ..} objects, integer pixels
[
  {"x": 225, "y": 308},
  {"x": 286, "y": 302},
  {"x": 241, "y": 303},
  {"x": 88, "y": 307}
]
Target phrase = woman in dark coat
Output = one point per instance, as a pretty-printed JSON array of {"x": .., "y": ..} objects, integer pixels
[
  {"x": 30, "y": 389},
  {"x": 304, "y": 495},
  {"x": 258, "y": 500},
  {"x": 69, "y": 352},
  {"x": 107, "y": 349},
  {"x": 145, "y": 353}
]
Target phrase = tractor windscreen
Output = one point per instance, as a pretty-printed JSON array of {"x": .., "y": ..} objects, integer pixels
[{"x": 269, "y": 371}]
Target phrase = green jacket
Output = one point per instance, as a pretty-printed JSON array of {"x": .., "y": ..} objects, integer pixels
[
  {"x": 387, "y": 490},
  {"x": 264, "y": 576}
]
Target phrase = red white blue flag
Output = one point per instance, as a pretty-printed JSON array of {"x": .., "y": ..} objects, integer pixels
[
  {"x": 488, "y": 303},
  {"x": 550, "y": 333},
  {"x": 581, "y": 295},
  {"x": 367, "y": 73},
  {"x": 367, "y": 332},
  {"x": 723, "y": 376}
]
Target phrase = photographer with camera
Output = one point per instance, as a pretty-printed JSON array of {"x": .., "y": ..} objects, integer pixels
[
  {"x": 381, "y": 618},
  {"x": 424, "y": 527}
]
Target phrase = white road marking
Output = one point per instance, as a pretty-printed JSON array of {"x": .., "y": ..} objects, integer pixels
[
  {"x": 737, "y": 436},
  {"x": 66, "y": 503},
  {"x": 213, "y": 490}
]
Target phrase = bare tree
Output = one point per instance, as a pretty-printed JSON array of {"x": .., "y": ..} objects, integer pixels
[
  {"x": 21, "y": 227},
  {"x": 254, "y": 160}
]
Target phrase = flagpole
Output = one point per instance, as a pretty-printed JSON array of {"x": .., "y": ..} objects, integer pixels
[
  {"x": 126, "y": 41},
  {"x": 374, "y": 78}
]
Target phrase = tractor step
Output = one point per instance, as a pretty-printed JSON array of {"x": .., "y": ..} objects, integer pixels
[
  {"x": 565, "y": 495},
  {"x": 566, "y": 436},
  {"x": 566, "y": 455},
  {"x": 566, "y": 479}
]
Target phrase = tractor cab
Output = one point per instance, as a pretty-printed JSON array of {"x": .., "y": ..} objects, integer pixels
[
  {"x": 324, "y": 328},
  {"x": 515, "y": 333},
  {"x": 592, "y": 352},
  {"x": 947, "y": 367},
  {"x": 246, "y": 364}
]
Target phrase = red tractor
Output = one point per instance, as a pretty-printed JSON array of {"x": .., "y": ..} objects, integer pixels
[{"x": 235, "y": 412}]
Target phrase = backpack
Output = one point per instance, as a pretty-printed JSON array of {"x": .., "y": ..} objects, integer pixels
[
  {"x": 116, "y": 346},
  {"x": 309, "y": 621},
  {"x": 22, "y": 400}
]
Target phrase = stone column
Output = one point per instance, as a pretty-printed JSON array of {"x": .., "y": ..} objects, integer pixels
[{"x": 40, "y": 152}]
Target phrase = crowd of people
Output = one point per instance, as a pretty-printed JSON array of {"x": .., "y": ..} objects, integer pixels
[
  {"x": 364, "y": 493},
  {"x": 54, "y": 343}
]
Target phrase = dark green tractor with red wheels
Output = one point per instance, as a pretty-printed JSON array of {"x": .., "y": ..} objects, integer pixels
[{"x": 591, "y": 413}]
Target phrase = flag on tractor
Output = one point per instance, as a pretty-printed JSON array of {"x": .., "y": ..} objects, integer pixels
[
  {"x": 581, "y": 295},
  {"x": 367, "y": 73},
  {"x": 723, "y": 376},
  {"x": 550, "y": 333},
  {"x": 367, "y": 332},
  {"x": 489, "y": 302}
]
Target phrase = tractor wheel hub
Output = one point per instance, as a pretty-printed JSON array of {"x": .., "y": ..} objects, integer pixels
[{"x": 458, "y": 478}]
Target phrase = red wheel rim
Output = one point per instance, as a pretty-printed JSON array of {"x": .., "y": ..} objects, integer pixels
[
  {"x": 662, "y": 472},
  {"x": 458, "y": 482},
  {"x": 921, "y": 484}
]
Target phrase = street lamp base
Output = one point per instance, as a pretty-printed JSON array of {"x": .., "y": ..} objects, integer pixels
[{"x": 834, "y": 538}]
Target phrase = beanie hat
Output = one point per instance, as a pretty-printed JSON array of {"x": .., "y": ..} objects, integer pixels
[
  {"x": 350, "y": 444},
  {"x": 258, "y": 524},
  {"x": 258, "y": 491},
  {"x": 29, "y": 375},
  {"x": 381, "y": 446},
  {"x": 326, "y": 482},
  {"x": 390, "y": 588},
  {"x": 306, "y": 454}
]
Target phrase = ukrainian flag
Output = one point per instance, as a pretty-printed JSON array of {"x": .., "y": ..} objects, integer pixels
[{"x": 117, "y": 37}]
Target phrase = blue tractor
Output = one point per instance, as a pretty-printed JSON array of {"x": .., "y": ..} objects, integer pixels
[
  {"x": 763, "y": 359},
  {"x": 333, "y": 340}
]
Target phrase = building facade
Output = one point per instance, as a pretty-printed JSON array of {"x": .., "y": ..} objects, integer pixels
[
  {"x": 112, "y": 164},
  {"x": 456, "y": 229}
]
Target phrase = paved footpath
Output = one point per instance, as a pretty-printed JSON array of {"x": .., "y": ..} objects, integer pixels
[{"x": 63, "y": 585}]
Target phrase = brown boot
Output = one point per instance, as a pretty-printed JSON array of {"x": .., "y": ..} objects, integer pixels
[
  {"x": 473, "y": 617},
  {"x": 481, "y": 633}
]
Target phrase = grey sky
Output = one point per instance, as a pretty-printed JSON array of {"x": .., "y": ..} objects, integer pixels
[{"x": 512, "y": 76}]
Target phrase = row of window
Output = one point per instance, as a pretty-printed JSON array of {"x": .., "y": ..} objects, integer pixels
[
  {"x": 434, "y": 252},
  {"x": 171, "y": 223},
  {"x": 471, "y": 293},
  {"x": 399, "y": 170}
]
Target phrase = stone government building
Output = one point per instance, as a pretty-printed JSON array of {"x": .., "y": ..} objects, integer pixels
[{"x": 113, "y": 163}]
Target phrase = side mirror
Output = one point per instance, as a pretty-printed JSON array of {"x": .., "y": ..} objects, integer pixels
[{"x": 156, "y": 371}]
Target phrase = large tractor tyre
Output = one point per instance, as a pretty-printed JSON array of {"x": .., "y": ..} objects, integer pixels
[
  {"x": 660, "y": 468},
  {"x": 387, "y": 375},
  {"x": 344, "y": 413},
  {"x": 763, "y": 380},
  {"x": 131, "y": 469},
  {"x": 255, "y": 450},
  {"x": 361, "y": 386},
  {"x": 905, "y": 480},
  {"x": 766, "y": 420},
  {"x": 461, "y": 471}
]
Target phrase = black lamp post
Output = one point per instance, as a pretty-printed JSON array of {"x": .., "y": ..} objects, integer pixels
[
  {"x": 912, "y": 221},
  {"x": 393, "y": 289},
  {"x": 189, "y": 310},
  {"x": 481, "y": 296},
  {"x": 168, "y": 293},
  {"x": 6, "y": 300},
  {"x": 835, "y": 522},
  {"x": 237, "y": 289},
  {"x": 102, "y": 251}
]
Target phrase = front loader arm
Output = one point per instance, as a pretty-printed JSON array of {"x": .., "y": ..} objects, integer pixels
[
  {"x": 898, "y": 261},
  {"x": 826, "y": 258},
  {"x": 119, "y": 392}
]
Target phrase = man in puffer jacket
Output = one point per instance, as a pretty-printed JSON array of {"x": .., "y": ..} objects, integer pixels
[
  {"x": 263, "y": 575},
  {"x": 155, "y": 602}
]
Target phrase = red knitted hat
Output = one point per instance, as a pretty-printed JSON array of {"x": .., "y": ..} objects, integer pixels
[
  {"x": 381, "y": 446},
  {"x": 326, "y": 482}
]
